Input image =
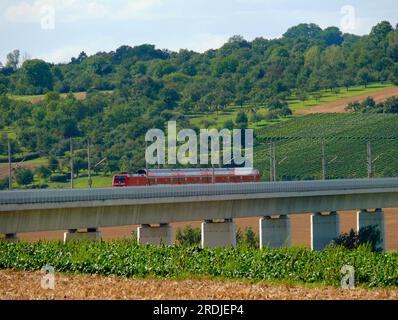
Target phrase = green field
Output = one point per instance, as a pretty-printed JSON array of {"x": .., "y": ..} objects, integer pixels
[
  {"x": 345, "y": 136},
  {"x": 298, "y": 146},
  {"x": 41, "y": 97},
  {"x": 328, "y": 96},
  {"x": 217, "y": 119},
  {"x": 82, "y": 182},
  {"x": 127, "y": 259}
]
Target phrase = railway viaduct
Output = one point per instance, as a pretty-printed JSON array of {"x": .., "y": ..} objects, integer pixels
[{"x": 216, "y": 205}]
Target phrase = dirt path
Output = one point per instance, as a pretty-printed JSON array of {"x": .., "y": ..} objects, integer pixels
[
  {"x": 26, "y": 285},
  {"x": 340, "y": 105}
]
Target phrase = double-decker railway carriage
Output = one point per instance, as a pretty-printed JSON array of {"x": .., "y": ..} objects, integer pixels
[{"x": 146, "y": 177}]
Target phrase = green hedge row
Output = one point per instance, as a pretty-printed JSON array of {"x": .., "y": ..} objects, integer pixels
[{"x": 126, "y": 258}]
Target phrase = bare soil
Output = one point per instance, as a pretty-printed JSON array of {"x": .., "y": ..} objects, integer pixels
[
  {"x": 340, "y": 105},
  {"x": 4, "y": 168},
  {"x": 26, "y": 285}
]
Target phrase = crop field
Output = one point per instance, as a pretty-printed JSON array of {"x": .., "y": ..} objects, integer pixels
[
  {"x": 26, "y": 285},
  {"x": 125, "y": 258}
]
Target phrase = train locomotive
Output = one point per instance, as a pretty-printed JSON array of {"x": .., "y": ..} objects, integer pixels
[{"x": 153, "y": 177}]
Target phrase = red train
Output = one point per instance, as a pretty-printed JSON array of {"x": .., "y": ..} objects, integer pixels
[{"x": 186, "y": 176}]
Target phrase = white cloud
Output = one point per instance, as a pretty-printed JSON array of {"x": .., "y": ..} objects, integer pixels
[
  {"x": 70, "y": 11},
  {"x": 64, "y": 54},
  {"x": 24, "y": 12},
  {"x": 136, "y": 8},
  {"x": 202, "y": 42}
]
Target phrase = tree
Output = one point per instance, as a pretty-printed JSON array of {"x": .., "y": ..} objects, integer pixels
[
  {"x": 364, "y": 77},
  {"x": 53, "y": 164},
  {"x": 318, "y": 96},
  {"x": 43, "y": 172},
  {"x": 348, "y": 80},
  {"x": 366, "y": 236},
  {"x": 170, "y": 97},
  {"x": 229, "y": 124},
  {"x": 391, "y": 105},
  {"x": 37, "y": 74},
  {"x": 353, "y": 106},
  {"x": 241, "y": 120},
  {"x": 380, "y": 31},
  {"x": 304, "y": 30},
  {"x": 394, "y": 74},
  {"x": 13, "y": 59},
  {"x": 4, "y": 183},
  {"x": 368, "y": 104},
  {"x": 4, "y": 84},
  {"x": 24, "y": 176},
  {"x": 82, "y": 56},
  {"x": 332, "y": 36},
  {"x": 302, "y": 95},
  {"x": 393, "y": 45},
  {"x": 247, "y": 239},
  {"x": 189, "y": 236}
]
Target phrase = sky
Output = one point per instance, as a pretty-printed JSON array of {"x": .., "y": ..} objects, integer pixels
[{"x": 56, "y": 30}]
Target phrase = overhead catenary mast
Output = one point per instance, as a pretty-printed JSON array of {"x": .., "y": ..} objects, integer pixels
[
  {"x": 9, "y": 166},
  {"x": 71, "y": 162}
]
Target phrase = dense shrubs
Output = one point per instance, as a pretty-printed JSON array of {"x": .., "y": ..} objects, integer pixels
[
  {"x": 126, "y": 258},
  {"x": 188, "y": 236},
  {"x": 24, "y": 176},
  {"x": 366, "y": 236},
  {"x": 58, "y": 178}
]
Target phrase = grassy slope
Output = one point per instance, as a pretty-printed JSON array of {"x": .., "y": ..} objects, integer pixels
[
  {"x": 301, "y": 159},
  {"x": 328, "y": 96},
  {"x": 217, "y": 119},
  {"x": 82, "y": 182}
]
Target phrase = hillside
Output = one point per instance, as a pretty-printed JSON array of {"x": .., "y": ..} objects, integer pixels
[
  {"x": 298, "y": 146},
  {"x": 111, "y": 99},
  {"x": 341, "y": 104}
]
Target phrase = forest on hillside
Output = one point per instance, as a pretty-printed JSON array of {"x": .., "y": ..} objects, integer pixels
[{"x": 133, "y": 89}]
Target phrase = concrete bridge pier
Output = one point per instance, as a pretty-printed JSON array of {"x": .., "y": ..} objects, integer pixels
[
  {"x": 91, "y": 234},
  {"x": 218, "y": 234},
  {"x": 367, "y": 218},
  {"x": 146, "y": 234},
  {"x": 324, "y": 229},
  {"x": 275, "y": 232}
]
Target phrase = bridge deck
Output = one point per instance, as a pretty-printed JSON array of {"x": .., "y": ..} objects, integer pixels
[{"x": 27, "y": 197}]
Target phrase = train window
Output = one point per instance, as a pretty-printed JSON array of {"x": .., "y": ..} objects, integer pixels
[
  {"x": 222, "y": 179},
  {"x": 236, "y": 179},
  {"x": 163, "y": 181},
  {"x": 181, "y": 180},
  {"x": 192, "y": 180},
  {"x": 120, "y": 179},
  {"x": 207, "y": 180}
]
